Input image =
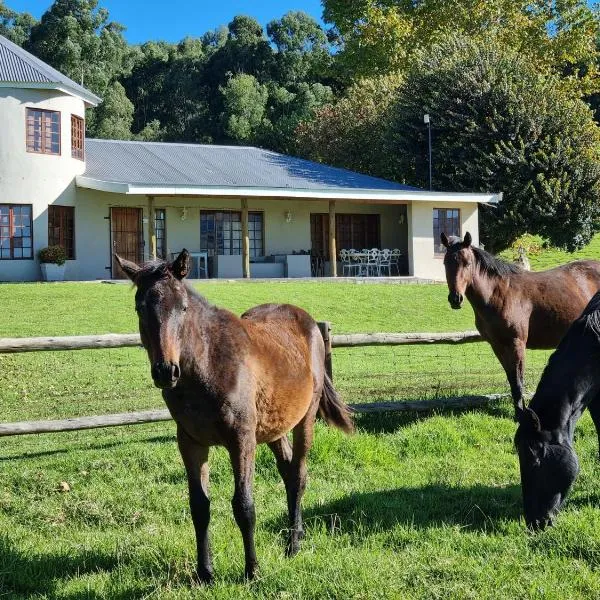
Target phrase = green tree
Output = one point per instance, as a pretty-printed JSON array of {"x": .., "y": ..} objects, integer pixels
[
  {"x": 353, "y": 131},
  {"x": 381, "y": 36},
  {"x": 77, "y": 38},
  {"x": 14, "y": 25},
  {"x": 245, "y": 101},
  {"x": 501, "y": 126},
  {"x": 113, "y": 117}
]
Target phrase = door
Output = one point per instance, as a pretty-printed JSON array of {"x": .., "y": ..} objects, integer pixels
[{"x": 126, "y": 237}]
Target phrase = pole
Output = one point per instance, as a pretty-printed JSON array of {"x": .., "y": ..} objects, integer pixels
[
  {"x": 430, "y": 165},
  {"x": 332, "y": 246},
  {"x": 245, "y": 240}
]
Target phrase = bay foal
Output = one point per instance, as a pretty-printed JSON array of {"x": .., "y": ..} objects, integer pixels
[{"x": 234, "y": 382}]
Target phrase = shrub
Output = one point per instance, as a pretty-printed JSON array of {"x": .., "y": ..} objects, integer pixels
[{"x": 53, "y": 254}]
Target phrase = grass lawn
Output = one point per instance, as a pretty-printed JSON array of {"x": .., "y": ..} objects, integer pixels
[{"x": 411, "y": 506}]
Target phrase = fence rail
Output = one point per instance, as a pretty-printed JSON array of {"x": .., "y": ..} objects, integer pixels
[
  {"x": 125, "y": 340},
  {"x": 113, "y": 340}
]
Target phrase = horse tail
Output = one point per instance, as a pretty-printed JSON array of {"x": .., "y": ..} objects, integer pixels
[{"x": 333, "y": 409}]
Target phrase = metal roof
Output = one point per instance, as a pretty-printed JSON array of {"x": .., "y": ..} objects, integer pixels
[
  {"x": 212, "y": 166},
  {"x": 17, "y": 66}
]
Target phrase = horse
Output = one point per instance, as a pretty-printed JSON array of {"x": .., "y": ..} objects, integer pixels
[
  {"x": 544, "y": 439},
  {"x": 234, "y": 382},
  {"x": 517, "y": 309}
]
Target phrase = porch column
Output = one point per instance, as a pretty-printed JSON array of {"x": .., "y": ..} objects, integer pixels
[
  {"x": 151, "y": 228},
  {"x": 245, "y": 240},
  {"x": 332, "y": 248}
]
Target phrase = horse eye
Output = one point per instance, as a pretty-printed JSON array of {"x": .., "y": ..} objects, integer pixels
[{"x": 184, "y": 308}]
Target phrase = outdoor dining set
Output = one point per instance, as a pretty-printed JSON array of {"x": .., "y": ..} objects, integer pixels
[{"x": 369, "y": 263}]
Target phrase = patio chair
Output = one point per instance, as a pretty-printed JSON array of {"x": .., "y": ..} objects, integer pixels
[
  {"x": 348, "y": 262},
  {"x": 372, "y": 263},
  {"x": 385, "y": 261},
  {"x": 395, "y": 260}
]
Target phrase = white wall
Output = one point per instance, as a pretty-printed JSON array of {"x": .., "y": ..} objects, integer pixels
[
  {"x": 423, "y": 262},
  {"x": 92, "y": 228},
  {"x": 36, "y": 179}
]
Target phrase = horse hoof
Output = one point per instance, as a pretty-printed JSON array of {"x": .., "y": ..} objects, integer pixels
[
  {"x": 250, "y": 572},
  {"x": 204, "y": 577}
]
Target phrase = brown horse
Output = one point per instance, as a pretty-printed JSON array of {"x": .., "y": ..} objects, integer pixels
[
  {"x": 234, "y": 382},
  {"x": 517, "y": 309}
]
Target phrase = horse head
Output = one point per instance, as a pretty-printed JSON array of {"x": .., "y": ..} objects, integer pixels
[
  {"x": 459, "y": 263},
  {"x": 161, "y": 302},
  {"x": 549, "y": 466}
]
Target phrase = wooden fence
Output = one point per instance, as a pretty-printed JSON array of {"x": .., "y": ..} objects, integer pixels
[{"x": 113, "y": 340}]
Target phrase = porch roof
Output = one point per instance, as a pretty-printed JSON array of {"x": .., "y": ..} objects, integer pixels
[{"x": 169, "y": 169}]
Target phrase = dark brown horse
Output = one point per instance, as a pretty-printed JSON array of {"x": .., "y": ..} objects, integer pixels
[
  {"x": 234, "y": 382},
  {"x": 517, "y": 309}
]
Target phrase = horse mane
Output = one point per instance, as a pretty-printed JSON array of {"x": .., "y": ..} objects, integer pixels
[
  {"x": 488, "y": 263},
  {"x": 591, "y": 315}
]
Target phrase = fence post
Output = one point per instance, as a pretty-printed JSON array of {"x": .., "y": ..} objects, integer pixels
[{"x": 325, "y": 327}]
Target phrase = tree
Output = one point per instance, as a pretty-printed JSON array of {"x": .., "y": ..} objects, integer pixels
[
  {"x": 381, "y": 36},
  {"x": 352, "y": 132},
  {"x": 76, "y": 37},
  {"x": 113, "y": 117},
  {"x": 245, "y": 100},
  {"x": 500, "y": 125},
  {"x": 15, "y": 26}
]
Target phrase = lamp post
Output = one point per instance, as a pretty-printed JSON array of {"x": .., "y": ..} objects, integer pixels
[{"x": 427, "y": 122}]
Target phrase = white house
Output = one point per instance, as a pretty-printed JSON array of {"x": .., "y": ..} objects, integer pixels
[{"x": 250, "y": 211}]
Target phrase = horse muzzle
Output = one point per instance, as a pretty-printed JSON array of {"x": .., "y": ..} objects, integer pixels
[
  {"x": 455, "y": 299},
  {"x": 165, "y": 374}
]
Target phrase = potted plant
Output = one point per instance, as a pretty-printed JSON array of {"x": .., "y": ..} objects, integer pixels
[{"x": 52, "y": 263}]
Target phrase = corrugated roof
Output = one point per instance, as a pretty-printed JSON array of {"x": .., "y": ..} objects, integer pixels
[
  {"x": 166, "y": 164},
  {"x": 21, "y": 67}
]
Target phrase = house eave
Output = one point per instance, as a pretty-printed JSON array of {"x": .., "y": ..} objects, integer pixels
[
  {"x": 90, "y": 99},
  {"x": 349, "y": 195}
]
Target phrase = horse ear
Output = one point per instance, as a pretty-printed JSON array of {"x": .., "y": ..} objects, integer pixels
[
  {"x": 468, "y": 240},
  {"x": 181, "y": 265},
  {"x": 129, "y": 268},
  {"x": 529, "y": 420},
  {"x": 444, "y": 240}
]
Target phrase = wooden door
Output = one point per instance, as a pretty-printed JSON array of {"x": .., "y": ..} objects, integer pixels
[{"x": 126, "y": 236}]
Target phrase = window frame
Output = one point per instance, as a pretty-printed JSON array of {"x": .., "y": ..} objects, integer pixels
[
  {"x": 11, "y": 236},
  {"x": 77, "y": 134},
  {"x": 65, "y": 210},
  {"x": 252, "y": 245},
  {"x": 436, "y": 236},
  {"x": 163, "y": 229},
  {"x": 44, "y": 149}
]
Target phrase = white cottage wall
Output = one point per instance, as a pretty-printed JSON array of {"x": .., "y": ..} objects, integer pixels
[{"x": 31, "y": 178}]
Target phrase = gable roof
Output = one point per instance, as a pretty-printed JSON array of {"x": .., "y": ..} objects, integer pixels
[
  {"x": 159, "y": 168},
  {"x": 19, "y": 68}
]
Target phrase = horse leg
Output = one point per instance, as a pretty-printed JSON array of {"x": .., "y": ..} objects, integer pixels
[
  {"x": 242, "y": 455},
  {"x": 594, "y": 408},
  {"x": 512, "y": 359},
  {"x": 303, "y": 437},
  {"x": 282, "y": 450},
  {"x": 195, "y": 459}
]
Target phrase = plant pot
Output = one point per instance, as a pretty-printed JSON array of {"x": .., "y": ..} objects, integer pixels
[{"x": 53, "y": 272}]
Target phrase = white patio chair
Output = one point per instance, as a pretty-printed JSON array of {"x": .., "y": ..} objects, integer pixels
[
  {"x": 348, "y": 263},
  {"x": 373, "y": 261},
  {"x": 385, "y": 261},
  {"x": 395, "y": 259}
]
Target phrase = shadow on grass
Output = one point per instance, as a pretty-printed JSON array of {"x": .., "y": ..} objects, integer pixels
[
  {"x": 475, "y": 508},
  {"x": 80, "y": 446},
  {"x": 388, "y": 422}
]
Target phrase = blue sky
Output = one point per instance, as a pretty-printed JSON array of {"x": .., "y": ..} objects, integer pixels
[{"x": 173, "y": 20}]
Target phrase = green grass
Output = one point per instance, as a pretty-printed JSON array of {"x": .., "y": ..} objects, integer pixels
[
  {"x": 411, "y": 506},
  {"x": 547, "y": 258}
]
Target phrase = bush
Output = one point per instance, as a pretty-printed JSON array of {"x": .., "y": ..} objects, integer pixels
[{"x": 53, "y": 254}]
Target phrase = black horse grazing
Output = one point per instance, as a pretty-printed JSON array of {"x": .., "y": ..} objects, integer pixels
[{"x": 544, "y": 439}]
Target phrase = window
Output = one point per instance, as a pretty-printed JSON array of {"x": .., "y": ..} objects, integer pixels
[
  {"x": 43, "y": 131},
  {"x": 221, "y": 232},
  {"x": 16, "y": 231},
  {"x": 351, "y": 231},
  {"x": 445, "y": 220},
  {"x": 61, "y": 228},
  {"x": 77, "y": 137},
  {"x": 160, "y": 229}
]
